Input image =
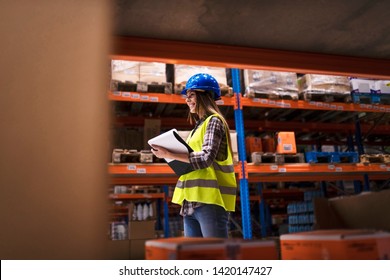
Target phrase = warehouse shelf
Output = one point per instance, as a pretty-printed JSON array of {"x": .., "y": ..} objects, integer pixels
[
  {"x": 162, "y": 174},
  {"x": 137, "y": 196},
  {"x": 314, "y": 105},
  {"x": 159, "y": 98},
  {"x": 252, "y": 102}
]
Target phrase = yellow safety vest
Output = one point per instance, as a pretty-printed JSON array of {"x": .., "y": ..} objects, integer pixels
[{"x": 215, "y": 184}]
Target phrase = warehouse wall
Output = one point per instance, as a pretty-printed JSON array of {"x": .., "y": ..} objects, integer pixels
[{"x": 53, "y": 123}]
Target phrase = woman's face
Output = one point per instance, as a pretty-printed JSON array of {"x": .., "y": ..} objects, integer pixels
[{"x": 191, "y": 101}]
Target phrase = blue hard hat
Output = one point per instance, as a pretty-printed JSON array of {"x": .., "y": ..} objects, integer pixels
[{"x": 203, "y": 81}]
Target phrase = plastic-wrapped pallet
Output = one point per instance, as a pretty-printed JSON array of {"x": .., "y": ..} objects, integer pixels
[
  {"x": 139, "y": 76},
  {"x": 271, "y": 84},
  {"x": 327, "y": 87},
  {"x": 314, "y": 83},
  {"x": 183, "y": 72}
]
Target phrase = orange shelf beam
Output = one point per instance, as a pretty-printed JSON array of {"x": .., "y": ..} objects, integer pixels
[
  {"x": 159, "y": 98},
  {"x": 252, "y": 102},
  {"x": 137, "y": 196},
  {"x": 318, "y": 168},
  {"x": 314, "y": 105},
  {"x": 161, "y": 174}
]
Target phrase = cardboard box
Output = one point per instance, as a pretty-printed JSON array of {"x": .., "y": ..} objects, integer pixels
[
  {"x": 183, "y": 72},
  {"x": 351, "y": 227},
  {"x": 141, "y": 229},
  {"x": 286, "y": 143},
  {"x": 185, "y": 248},
  {"x": 253, "y": 144},
  {"x": 363, "y": 211},
  {"x": 272, "y": 82},
  {"x": 335, "y": 245},
  {"x": 314, "y": 83}
]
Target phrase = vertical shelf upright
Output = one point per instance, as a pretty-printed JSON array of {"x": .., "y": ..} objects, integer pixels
[{"x": 244, "y": 186}]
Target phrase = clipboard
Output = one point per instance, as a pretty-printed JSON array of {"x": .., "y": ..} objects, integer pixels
[{"x": 172, "y": 141}]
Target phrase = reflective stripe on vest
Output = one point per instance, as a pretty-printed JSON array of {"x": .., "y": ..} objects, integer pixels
[{"x": 215, "y": 184}]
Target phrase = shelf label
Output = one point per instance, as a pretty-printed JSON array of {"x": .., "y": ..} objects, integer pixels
[
  {"x": 331, "y": 166},
  {"x": 135, "y": 96},
  {"x": 339, "y": 169},
  {"x": 340, "y": 108},
  {"x": 273, "y": 167},
  {"x": 145, "y": 97},
  {"x": 326, "y": 105},
  {"x": 272, "y": 102},
  {"x": 333, "y": 107},
  {"x": 116, "y": 93},
  {"x": 141, "y": 170},
  {"x": 383, "y": 166},
  {"x": 220, "y": 102},
  {"x": 131, "y": 167},
  {"x": 126, "y": 94},
  {"x": 154, "y": 98},
  {"x": 320, "y": 104},
  {"x": 282, "y": 170}
]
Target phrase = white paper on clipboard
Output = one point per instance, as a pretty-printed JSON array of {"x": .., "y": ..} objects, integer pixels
[{"x": 171, "y": 141}]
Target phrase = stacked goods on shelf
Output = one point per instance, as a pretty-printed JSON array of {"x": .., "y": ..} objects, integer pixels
[
  {"x": 285, "y": 150},
  {"x": 184, "y": 72},
  {"x": 184, "y": 248},
  {"x": 271, "y": 84},
  {"x": 133, "y": 76},
  {"x": 327, "y": 88},
  {"x": 253, "y": 147},
  {"x": 286, "y": 142},
  {"x": 130, "y": 234},
  {"x": 370, "y": 91},
  {"x": 301, "y": 214}
]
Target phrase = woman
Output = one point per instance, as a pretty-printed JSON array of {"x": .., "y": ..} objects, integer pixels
[{"x": 208, "y": 193}]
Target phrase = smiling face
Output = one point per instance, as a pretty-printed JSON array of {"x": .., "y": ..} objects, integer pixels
[{"x": 191, "y": 101}]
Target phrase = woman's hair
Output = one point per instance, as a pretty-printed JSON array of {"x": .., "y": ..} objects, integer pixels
[{"x": 206, "y": 106}]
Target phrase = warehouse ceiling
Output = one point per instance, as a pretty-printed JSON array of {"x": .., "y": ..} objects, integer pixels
[{"x": 354, "y": 28}]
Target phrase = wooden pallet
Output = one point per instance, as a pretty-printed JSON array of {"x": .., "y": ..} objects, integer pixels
[
  {"x": 153, "y": 87},
  {"x": 144, "y": 189},
  {"x": 271, "y": 95},
  {"x": 374, "y": 158},
  {"x": 258, "y": 157},
  {"x": 326, "y": 97}
]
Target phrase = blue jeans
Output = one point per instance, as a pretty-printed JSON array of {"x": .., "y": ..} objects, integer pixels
[{"x": 208, "y": 220}]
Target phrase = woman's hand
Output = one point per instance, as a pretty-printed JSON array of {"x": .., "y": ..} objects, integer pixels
[{"x": 160, "y": 152}]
